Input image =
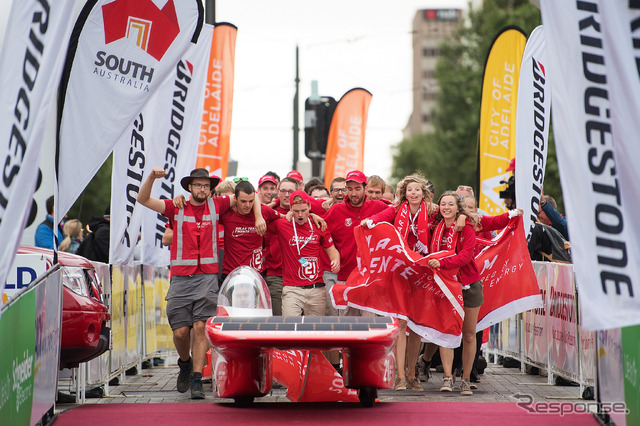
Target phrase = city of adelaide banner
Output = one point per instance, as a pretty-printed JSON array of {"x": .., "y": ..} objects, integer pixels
[
  {"x": 215, "y": 132},
  {"x": 595, "y": 81},
  {"x": 31, "y": 61},
  {"x": 345, "y": 144},
  {"x": 496, "y": 140},
  {"x": 119, "y": 54}
]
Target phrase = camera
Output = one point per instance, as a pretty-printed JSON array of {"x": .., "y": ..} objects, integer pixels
[{"x": 509, "y": 193}]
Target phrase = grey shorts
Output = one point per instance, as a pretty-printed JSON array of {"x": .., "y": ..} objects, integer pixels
[
  {"x": 473, "y": 298},
  {"x": 191, "y": 298}
]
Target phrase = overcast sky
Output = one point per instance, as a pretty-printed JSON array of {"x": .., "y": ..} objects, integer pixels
[{"x": 343, "y": 44}]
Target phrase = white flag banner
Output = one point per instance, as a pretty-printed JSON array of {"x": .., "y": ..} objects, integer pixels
[
  {"x": 165, "y": 134},
  {"x": 31, "y": 62},
  {"x": 120, "y": 53},
  {"x": 532, "y": 128},
  {"x": 596, "y": 108}
]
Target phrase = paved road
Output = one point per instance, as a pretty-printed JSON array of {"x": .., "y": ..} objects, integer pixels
[{"x": 498, "y": 384}]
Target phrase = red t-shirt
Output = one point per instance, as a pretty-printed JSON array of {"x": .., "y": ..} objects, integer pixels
[
  {"x": 243, "y": 245},
  {"x": 302, "y": 259},
  {"x": 341, "y": 220},
  {"x": 222, "y": 205}
]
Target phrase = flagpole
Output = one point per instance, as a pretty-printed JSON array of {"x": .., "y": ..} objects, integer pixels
[
  {"x": 296, "y": 129},
  {"x": 210, "y": 12}
]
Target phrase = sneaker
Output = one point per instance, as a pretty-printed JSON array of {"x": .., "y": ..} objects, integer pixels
[
  {"x": 447, "y": 384},
  {"x": 414, "y": 385},
  {"x": 401, "y": 384},
  {"x": 184, "y": 376},
  {"x": 424, "y": 369},
  {"x": 196, "y": 388},
  {"x": 465, "y": 388}
]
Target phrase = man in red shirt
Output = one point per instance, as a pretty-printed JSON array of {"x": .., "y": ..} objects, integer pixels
[
  {"x": 342, "y": 219},
  {"x": 243, "y": 245},
  {"x": 192, "y": 294},
  {"x": 301, "y": 243},
  {"x": 267, "y": 186}
]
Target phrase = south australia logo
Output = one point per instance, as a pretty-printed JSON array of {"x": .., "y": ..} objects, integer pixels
[{"x": 142, "y": 21}]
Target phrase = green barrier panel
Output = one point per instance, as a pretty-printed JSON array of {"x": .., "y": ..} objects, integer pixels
[
  {"x": 630, "y": 365},
  {"x": 18, "y": 331}
]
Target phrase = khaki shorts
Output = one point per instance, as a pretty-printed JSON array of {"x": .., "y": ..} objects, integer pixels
[
  {"x": 473, "y": 298},
  {"x": 297, "y": 301}
]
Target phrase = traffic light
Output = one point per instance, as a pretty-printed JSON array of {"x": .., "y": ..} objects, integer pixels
[{"x": 317, "y": 121}]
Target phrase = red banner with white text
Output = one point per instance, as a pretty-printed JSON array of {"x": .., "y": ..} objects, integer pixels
[
  {"x": 213, "y": 147},
  {"x": 394, "y": 281}
]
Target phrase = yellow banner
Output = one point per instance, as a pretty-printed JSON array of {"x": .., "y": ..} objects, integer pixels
[
  {"x": 498, "y": 117},
  {"x": 215, "y": 131},
  {"x": 345, "y": 144}
]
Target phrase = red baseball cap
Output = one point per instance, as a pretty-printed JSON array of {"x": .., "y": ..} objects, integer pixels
[
  {"x": 267, "y": 178},
  {"x": 356, "y": 176},
  {"x": 512, "y": 164},
  {"x": 295, "y": 175},
  {"x": 299, "y": 197}
]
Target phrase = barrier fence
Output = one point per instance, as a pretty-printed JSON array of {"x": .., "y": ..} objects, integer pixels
[{"x": 549, "y": 337}]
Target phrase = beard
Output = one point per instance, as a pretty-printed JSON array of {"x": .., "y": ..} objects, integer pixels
[{"x": 197, "y": 198}]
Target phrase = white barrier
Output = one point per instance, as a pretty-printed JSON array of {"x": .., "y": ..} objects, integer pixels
[{"x": 551, "y": 336}]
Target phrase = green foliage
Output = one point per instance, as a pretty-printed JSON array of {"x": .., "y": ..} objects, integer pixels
[
  {"x": 95, "y": 197},
  {"x": 447, "y": 156}
]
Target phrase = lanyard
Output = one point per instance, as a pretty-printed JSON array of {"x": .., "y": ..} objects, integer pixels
[
  {"x": 295, "y": 234},
  {"x": 412, "y": 221}
]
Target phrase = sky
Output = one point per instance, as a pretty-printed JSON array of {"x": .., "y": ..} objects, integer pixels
[{"x": 342, "y": 44}]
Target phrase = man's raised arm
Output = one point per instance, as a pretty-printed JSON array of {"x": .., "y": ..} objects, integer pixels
[{"x": 144, "y": 195}]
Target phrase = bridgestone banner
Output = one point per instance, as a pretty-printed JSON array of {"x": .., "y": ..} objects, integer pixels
[
  {"x": 164, "y": 134},
  {"x": 120, "y": 53},
  {"x": 595, "y": 79},
  {"x": 30, "y": 66},
  {"x": 496, "y": 140},
  {"x": 532, "y": 128}
]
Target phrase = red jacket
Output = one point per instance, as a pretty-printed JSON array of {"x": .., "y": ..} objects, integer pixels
[
  {"x": 464, "y": 258},
  {"x": 192, "y": 246}
]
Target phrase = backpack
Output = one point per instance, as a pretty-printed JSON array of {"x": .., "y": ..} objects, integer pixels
[{"x": 558, "y": 252}]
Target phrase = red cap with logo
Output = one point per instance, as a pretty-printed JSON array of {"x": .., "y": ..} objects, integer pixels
[
  {"x": 512, "y": 164},
  {"x": 299, "y": 197},
  {"x": 356, "y": 176},
  {"x": 295, "y": 175},
  {"x": 267, "y": 178}
]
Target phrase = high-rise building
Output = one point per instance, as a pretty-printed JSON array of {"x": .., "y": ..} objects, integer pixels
[{"x": 430, "y": 28}]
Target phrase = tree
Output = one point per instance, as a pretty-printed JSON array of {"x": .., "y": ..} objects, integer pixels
[
  {"x": 95, "y": 197},
  {"x": 447, "y": 156}
]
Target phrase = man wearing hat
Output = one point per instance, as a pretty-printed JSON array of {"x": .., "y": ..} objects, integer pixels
[
  {"x": 192, "y": 294},
  {"x": 294, "y": 174},
  {"x": 301, "y": 240},
  {"x": 267, "y": 186},
  {"x": 342, "y": 219}
]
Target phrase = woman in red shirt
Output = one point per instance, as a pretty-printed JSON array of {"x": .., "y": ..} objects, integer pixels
[{"x": 444, "y": 237}]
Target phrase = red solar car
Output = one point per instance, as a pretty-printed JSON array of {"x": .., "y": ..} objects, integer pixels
[{"x": 84, "y": 333}]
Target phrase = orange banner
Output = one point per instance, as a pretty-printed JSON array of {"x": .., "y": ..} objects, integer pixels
[
  {"x": 213, "y": 147},
  {"x": 345, "y": 145},
  {"x": 497, "y": 144}
]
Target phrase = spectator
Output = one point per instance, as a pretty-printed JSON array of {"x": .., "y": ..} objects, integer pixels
[
  {"x": 73, "y": 236},
  {"x": 95, "y": 245},
  {"x": 44, "y": 232},
  {"x": 549, "y": 215}
]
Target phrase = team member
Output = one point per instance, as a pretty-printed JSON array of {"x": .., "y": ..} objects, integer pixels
[
  {"x": 444, "y": 237},
  {"x": 297, "y": 176},
  {"x": 342, "y": 219},
  {"x": 267, "y": 187},
  {"x": 412, "y": 218},
  {"x": 375, "y": 187},
  {"x": 243, "y": 244},
  {"x": 301, "y": 243},
  {"x": 192, "y": 294}
]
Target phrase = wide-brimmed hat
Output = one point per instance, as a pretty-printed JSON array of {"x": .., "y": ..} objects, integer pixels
[{"x": 199, "y": 174}]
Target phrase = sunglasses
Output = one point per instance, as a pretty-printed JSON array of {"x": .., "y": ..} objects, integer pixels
[{"x": 240, "y": 179}]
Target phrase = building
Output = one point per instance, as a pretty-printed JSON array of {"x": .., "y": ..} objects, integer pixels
[{"x": 430, "y": 28}]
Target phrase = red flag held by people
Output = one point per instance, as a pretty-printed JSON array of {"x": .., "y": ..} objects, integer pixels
[{"x": 394, "y": 281}]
